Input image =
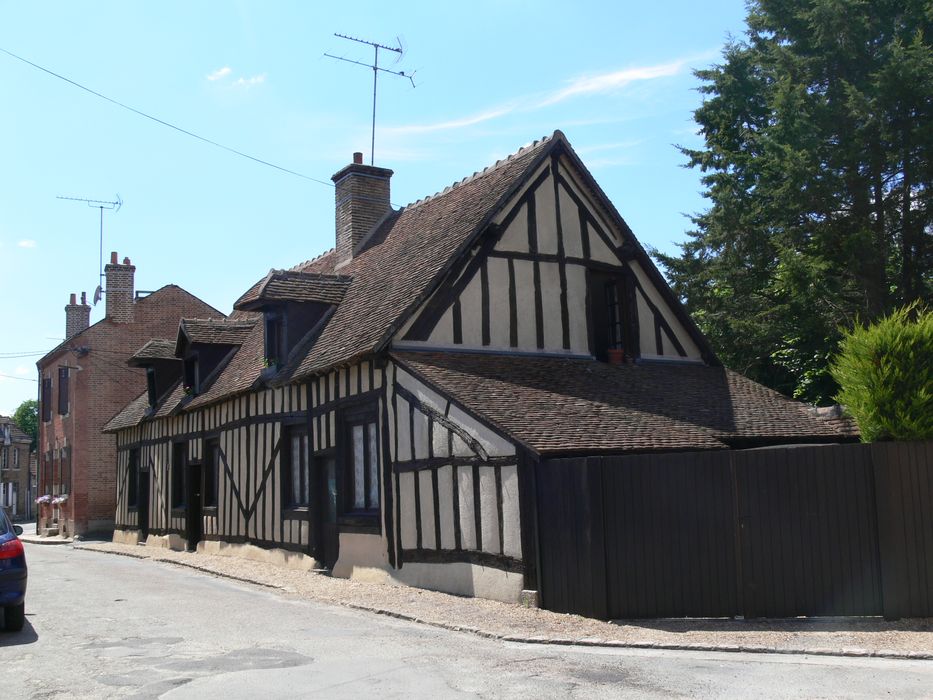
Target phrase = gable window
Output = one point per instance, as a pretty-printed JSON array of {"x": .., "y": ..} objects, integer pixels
[
  {"x": 62, "y": 391},
  {"x": 297, "y": 469},
  {"x": 361, "y": 462},
  {"x": 4, "y": 451},
  {"x": 46, "y": 399},
  {"x": 211, "y": 472},
  {"x": 192, "y": 374},
  {"x": 179, "y": 459},
  {"x": 615, "y": 325},
  {"x": 275, "y": 339},
  {"x": 15, "y": 458},
  {"x": 132, "y": 480}
]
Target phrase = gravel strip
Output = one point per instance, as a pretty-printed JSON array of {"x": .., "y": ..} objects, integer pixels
[{"x": 911, "y": 638}]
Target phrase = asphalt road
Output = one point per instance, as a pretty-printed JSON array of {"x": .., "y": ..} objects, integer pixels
[{"x": 103, "y": 626}]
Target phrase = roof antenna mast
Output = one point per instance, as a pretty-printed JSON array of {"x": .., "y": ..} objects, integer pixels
[
  {"x": 375, "y": 68},
  {"x": 96, "y": 203}
]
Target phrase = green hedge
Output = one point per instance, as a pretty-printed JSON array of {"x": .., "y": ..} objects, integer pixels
[{"x": 886, "y": 374}]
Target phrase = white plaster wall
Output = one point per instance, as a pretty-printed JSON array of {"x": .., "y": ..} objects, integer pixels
[
  {"x": 693, "y": 352},
  {"x": 576, "y": 304},
  {"x": 427, "y": 510},
  {"x": 467, "y": 517},
  {"x": 525, "y": 301},
  {"x": 546, "y": 218},
  {"x": 489, "y": 510},
  {"x": 498, "y": 273},
  {"x": 550, "y": 302},
  {"x": 406, "y": 509},
  {"x": 511, "y": 521},
  {"x": 461, "y": 578},
  {"x": 446, "y": 506}
]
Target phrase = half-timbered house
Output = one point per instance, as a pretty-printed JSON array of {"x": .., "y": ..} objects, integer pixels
[{"x": 380, "y": 410}]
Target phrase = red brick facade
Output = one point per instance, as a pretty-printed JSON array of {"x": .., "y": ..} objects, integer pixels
[{"x": 75, "y": 458}]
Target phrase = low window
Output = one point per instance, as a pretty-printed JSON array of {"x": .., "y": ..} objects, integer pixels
[
  {"x": 62, "y": 391},
  {"x": 211, "y": 472},
  {"x": 15, "y": 458},
  {"x": 4, "y": 451},
  {"x": 361, "y": 462},
  {"x": 64, "y": 484},
  {"x": 179, "y": 460},
  {"x": 297, "y": 472},
  {"x": 132, "y": 480}
]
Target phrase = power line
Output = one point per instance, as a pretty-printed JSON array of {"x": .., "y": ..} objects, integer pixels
[
  {"x": 15, "y": 355},
  {"x": 22, "y": 379},
  {"x": 165, "y": 123}
]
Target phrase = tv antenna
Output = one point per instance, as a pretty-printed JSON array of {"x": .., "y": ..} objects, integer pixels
[
  {"x": 376, "y": 69},
  {"x": 99, "y": 204}
]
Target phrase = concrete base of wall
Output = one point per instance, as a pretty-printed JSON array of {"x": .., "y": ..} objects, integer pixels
[
  {"x": 175, "y": 542},
  {"x": 276, "y": 557},
  {"x": 126, "y": 537},
  {"x": 364, "y": 558}
]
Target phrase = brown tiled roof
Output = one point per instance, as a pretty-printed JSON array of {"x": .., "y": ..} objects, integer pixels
[
  {"x": 16, "y": 433},
  {"x": 403, "y": 260},
  {"x": 294, "y": 285},
  {"x": 132, "y": 414},
  {"x": 557, "y": 405},
  {"x": 155, "y": 349},
  {"x": 215, "y": 331}
]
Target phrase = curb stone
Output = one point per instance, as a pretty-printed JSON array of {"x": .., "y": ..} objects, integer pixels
[{"x": 846, "y": 652}]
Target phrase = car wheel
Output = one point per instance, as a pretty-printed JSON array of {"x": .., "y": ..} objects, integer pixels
[{"x": 14, "y": 616}]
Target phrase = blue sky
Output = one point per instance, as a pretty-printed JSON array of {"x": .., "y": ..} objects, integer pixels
[{"x": 615, "y": 77}]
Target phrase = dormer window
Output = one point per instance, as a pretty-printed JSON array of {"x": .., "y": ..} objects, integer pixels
[
  {"x": 151, "y": 386},
  {"x": 192, "y": 374},
  {"x": 275, "y": 339}
]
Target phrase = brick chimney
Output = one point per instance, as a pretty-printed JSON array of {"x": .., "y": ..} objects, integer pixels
[
  {"x": 362, "y": 200},
  {"x": 77, "y": 316},
  {"x": 119, "y": 289}
]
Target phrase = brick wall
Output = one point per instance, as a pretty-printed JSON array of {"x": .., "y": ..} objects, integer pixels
[{"x": 100, "y": 385}]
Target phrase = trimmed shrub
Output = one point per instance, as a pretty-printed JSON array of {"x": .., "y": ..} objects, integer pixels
[{"x": 885, "y": 371}]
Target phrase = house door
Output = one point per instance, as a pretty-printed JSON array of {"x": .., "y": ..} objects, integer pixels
[
  {"x": 143, "y": 512},
  {"x": 326, "y": 538},
  {"x": 193, "y": 519}
]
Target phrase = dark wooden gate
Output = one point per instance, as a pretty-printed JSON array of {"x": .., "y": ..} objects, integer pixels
[{"x": 827, "y": 530}]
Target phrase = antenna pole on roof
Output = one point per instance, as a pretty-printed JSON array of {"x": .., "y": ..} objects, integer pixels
[
  {"x": 99, "y": 204},
  {"x": 376, "y": 69}
]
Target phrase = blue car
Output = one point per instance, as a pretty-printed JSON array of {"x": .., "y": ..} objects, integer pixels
[{"x": 12, "y": 575}]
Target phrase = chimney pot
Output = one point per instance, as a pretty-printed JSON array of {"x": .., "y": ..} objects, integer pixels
[
  {"x": 126, "y": 261},
  {"x": 358, "y": 157},
  {"x": 74, "y": 298},
  {"x": 113, "y": 257}
]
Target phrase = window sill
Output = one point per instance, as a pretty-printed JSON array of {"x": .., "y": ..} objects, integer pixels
[
  {"x": 209, "y": 510},
  {"x": 179, "y": 510},
  {"x": 363, "y": 523},
  {"x": 296, "y": 513}
]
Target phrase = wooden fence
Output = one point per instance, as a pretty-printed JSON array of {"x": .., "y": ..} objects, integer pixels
[{"x": 780, "y": 532}]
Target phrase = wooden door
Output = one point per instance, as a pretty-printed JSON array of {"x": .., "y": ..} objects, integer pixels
[
  {"x": 193, "y": 506},
  {"x": 324, "y": 508},
  {"x": 143, "y": 500}
]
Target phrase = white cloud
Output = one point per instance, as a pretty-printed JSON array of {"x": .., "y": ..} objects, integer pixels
[
  {"x": 610, "y": 82},
  {"x": 27, "y": 243},
  {"x": 219, "y": 73},
  {"x": 250, "y": 82},
  {"x": 602, "y": 83}
]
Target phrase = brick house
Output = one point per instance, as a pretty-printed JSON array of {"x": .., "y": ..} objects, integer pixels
[
  {"x": 15, "y": 491},
  {"x": 383, "y": 409},
  {"x": 84, "y": 381}
]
